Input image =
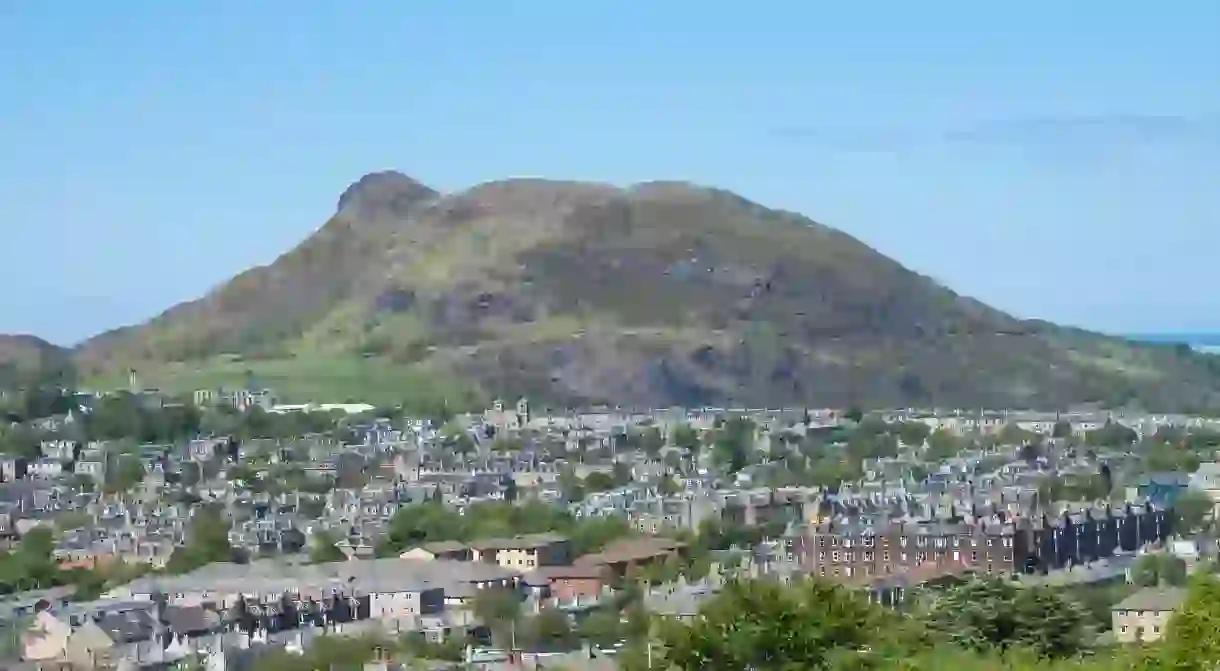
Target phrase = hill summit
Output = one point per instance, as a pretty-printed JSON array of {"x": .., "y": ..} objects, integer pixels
[{"x": 655, "y": 294}]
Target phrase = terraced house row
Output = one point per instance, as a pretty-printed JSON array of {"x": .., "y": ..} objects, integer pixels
[{"x": 996, "y": 544}]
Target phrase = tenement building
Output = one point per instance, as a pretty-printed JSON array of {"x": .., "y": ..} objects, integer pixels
[{"x": 855, "y": 547}]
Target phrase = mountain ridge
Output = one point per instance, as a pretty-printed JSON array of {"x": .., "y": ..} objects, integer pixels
[{"x": 657, "y": 293}]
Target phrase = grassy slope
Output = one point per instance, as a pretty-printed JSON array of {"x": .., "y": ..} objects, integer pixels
[{"x": 334, "y": 380}]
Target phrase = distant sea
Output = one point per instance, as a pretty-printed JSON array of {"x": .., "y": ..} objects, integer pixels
[{"x": 1206, "y": 342}]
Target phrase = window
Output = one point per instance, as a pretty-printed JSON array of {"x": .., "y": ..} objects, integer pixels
[
  {"x": 903, "y": 541},
  {"x": 834, "y": 556}
]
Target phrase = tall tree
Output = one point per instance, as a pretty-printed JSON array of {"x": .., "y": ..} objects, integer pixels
[
  {"x": 207, "y": 541},
  {"x": 733, "y": 444},
  {"x": 942, "y": 444},
  {"x": 995, "y": 613},
  {"x": 1158, "y": 568},
  {"x": 323, "y": 549},
  {"x": 651, "y": 441},
  {"x": 1193, "y": 640},
  {"x": 766, "y": 626},
  {"x": 1062, "y": 429},
  {"x": 1193, "y": 510},
  {"x": 914, "y": 433},
  {"x": 500, "y": 611},
  {"x": 685, "y": 437}
]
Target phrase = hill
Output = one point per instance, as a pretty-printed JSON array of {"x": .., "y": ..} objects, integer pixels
[
  {"x": 655, "y": 294},
  {"x": 26, "y": 360}
]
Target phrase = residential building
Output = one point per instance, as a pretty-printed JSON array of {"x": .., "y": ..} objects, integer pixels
[
  {"x": 622, "y": 556},
  {"x": 852, "y": 551},
  {"x": 1144, "y": 615},
  {"x": 996, "y": 544},
  {"x": 573, "y": 583},
  {"x": 523, "y": 554},
  {"x": 442, "y": 550}
]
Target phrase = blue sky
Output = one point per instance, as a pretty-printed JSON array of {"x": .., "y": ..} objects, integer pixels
[{"x": 1057, "y": 159}]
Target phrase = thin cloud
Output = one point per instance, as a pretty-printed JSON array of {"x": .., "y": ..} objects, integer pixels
[
  {"x": 1046, "y": 132},
  {"x": 1115, "y": 129}
]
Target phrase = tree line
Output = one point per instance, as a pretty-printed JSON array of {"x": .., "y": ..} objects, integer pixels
[
  {"x": 126, "y": 417},
  {"x": 431, "y": 521},
  {"x": 31, "y": 565},
  {"x": 980, "y": 624}
]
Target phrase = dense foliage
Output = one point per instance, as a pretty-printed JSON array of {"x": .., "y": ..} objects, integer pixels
[
  {"x": 764, "y": 625},
  {"x": 126, "y": 416},
  {"x": 430, "y": 522},
  {"x": 1158, "y": 568},
  {"x": 323, "y": 549},
  {"x": 985, "y": 625},
  {"x": 207, "y": 541},
  {"x": 31, "y": 566},
  {"x": 986, "y": 614},
  {"x": 36, "y": 379}
]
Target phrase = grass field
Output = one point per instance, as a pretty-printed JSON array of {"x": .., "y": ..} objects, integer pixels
[{"x": 347, "y": 379}]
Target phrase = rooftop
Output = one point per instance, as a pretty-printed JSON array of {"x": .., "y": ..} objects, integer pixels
[{"x": 1153, "y": 598}]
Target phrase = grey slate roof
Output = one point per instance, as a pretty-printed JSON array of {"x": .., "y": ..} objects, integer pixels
[{"x": 1153, "y": 598}]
